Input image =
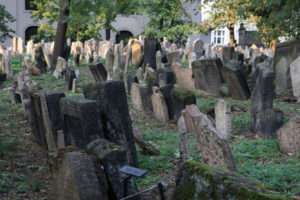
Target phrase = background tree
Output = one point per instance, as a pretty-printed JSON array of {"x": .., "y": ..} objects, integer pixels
[
  {"x": 5, "y": 18},
  {"x": 168, "y": 18},
  {"x": 225, "y": 13},
  {"x": 275, "y": 18}
]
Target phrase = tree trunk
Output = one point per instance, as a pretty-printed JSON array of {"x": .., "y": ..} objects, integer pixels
[
  {"x": 107, "y": 34},
  {"x": 61, "y": 30},
  {"x": 231, "y": 32}
]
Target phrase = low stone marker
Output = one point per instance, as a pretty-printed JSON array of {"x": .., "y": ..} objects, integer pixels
[
  {"x": 173, "y": 55},
  {"x": 180, "y": 98},
  {"x": 212, "y": 146},
  {"x": 205, "y": 182},
  {"x": 79, "y": 177},
  {"x": 224, "y": 118},
  {"x": 289, "y": 137},
  {"x": 99, "y": 72},
  {"x": 114, "y": 112},
  {"x": 81, "y": 119},
  {"x": 159, "y": 105}
]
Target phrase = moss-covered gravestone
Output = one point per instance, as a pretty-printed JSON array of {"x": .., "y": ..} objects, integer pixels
[
  {"x": 198, "y": 181},
  {"x": 99, "y": 72}
]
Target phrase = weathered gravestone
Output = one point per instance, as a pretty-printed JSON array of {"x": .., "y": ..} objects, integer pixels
[
  {"x": 77, "y": 55},
  {"x": 160, "y": 108},
  {"x": 198, "y": 48},
  {"x": 289, "y": 137},
  {"x": 150, "y": 48},
  {"x": 285, "y": 54},
  {"x": 238, "y": 56},
  {"x": 130, "y": 80},
  {"x": 113, "y": 157},
  {"x": 109, "y": 60},
  {"x": 180, "y": 98},
  {"x": 15, "y": 97},
  {"x": 295, "y": 77},
  {"x": 137, "y": 53},
  {"x": 81, "y": 120},
  {"x": 264, "y": 120},
  {"x": 69, "y": 74},
  {"x": 224, "y": 118},
  {"x": 173, "y": 55},
  {"x": 99, "y": 72},
  {"x": 79, "y": 177},
  {"x": 235, "y": 80},
  {"x": 39, "y": 58},
  {"x": 205, "y": 182},
  {"x": 128, "y": 55},
  {"x": 47, "y": 55},
  {"x": 138, "y": 95},
  {"x": 192, "y": 58},
  {"x": 117, "y": 55},
  {"x": 183, "y": 139},
  {"x": 165, "y": 76},
  {"x": 158, "y": 59},
  {"x": 207, "y": 75},
  {"x": 51, "y": 116},
  {"x": 166, "y": 92},
  {"x": 150, "y": 82},
  {"x": 114, "y": 114},
  {"x": 184, "y": 76},
  {"x": 212, "y": 146},
  {"x": 227, "y": 53}
]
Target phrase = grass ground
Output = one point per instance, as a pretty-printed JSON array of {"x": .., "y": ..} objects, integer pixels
[{"x": 23, "y": 165}]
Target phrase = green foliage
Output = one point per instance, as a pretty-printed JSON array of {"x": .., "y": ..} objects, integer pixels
[
  {"x": 5, "y": 18},
  {"x": 168, "y": 18},
  {"x": 275, "y": 18},
  {"x": 261, "y": 160},
  {"x": 86, "y": 17}
]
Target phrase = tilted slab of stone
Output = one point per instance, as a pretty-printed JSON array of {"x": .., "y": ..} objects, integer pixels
[
  {"x": 224, "y": 118},
  {"x": 183, "y": 139},
  {"x": 113, "y": 157},
  {"x": 295, "y": 76},
  {"x": 79, "y": 177},
  {"x": 212, "y": 146},
  {"x": 289, "y": 136},
  {"x": 159, "y": 105},
  {"x": 81, "y": 121},
  {"x": 199, "y": 181},
  {"x": 184, "y": 76},
  {"x": 151, "y": 45},
  {"x": 99, "y": 72},
  {"x": 114, "y": 112},
  {"x": 138, "y": 94}
]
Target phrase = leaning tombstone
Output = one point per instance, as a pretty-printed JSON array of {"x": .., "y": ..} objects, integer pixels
[
  {"x": 39, "y": 58},
  {"x": 113, "y": 106},
  {"x": 289, "y": 137},
  {"x": 224, "y": 118},
  {"x": 180, "y": 98},
  {"x": 151, "y": 46},
  {"x": 295, "y": 77},
  {"x": 227, "y": 53},
  {"x": 69, "y": 74},
  {"x": 138, "y": 94},
  {"x": 158, "y": 59},
  {"x": 183, "y": 140},
  {"x": 15, "y": 97},
  {"x": 184, "y": 76},
  {"x": 99, "y": 72},
  {"x": 165, "y": 77},
  {"x": 47, "y": 55},
  {"x": 130, "y": 80},
  {"x": 198, "y": 48},
  {"x": 173, "y": 55},
  {"x": 137, "y": 53},
  {"x": 81, "y": 121},
  {"x": 212, "y": 146},
  {"x": 109, "y": 60},
  {"x": 160, "y": 108},
  {"x": 113, "y": 158},
  {"x": 78, "y": 176},
  {"x": 166, "y": 92}
]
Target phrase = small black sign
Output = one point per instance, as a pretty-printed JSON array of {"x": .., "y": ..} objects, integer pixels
[{"x": 133, "y": 171}]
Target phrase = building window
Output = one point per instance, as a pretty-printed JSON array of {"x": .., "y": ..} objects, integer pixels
[
  {"x": 219, "y": 37},
  {"x": 29, "y": 6},
  {"x": 125, "y": 36},
  {"x": 30, "y": 31}
]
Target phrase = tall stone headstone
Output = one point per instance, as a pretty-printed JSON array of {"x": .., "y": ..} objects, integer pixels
[
  {"x": 264, "y": 120},
  {"x": 289, "y": 136},
  {"x": 166, "y": 92},
  {"x": 40, "y": 59},
  {"x": 130, "y": 80},
  {"x": 99, "y": 72},
  {"x": 158, "y": 59},
  {"x": 114, "y": 112},
  {"x": 137, "y": 53},
  {"x": 224, "y": 118},
  {"x": 227, "y": 53},
  {"x": 117, "y": 55},
  {"x": 207, "y": 75},
  {"x": 150, "y": 48},
  {"x": 138, "y": 95},
  {"x": 198, "y": 47},
  {"x": 295, "y": 77},
  {"x": 81, "y": 121},
  {"x": 173, "y": 55},
  {"x": 47, "y": 55},
  {"x": 282, "y": 71},
  {"x": 212, "y": 146},
  {"x": 160, "y": 108},
  {"x": 184, "y": 76},
  {"x": 69, "y": 76},
  {"x": 183, "y": 140},
  {"x": 109, "y": 60},
  {"x": 165, "y": 77}
]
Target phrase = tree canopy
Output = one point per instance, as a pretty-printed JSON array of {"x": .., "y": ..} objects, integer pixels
[
  {"x": 169, "y": 18},
  {"x": 5, "y": 18}
]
